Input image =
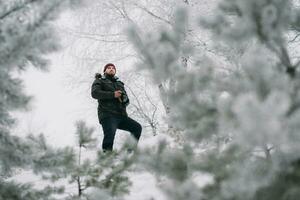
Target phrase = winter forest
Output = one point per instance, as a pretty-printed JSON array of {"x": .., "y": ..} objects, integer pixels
[{"x": 213, "y": 83}]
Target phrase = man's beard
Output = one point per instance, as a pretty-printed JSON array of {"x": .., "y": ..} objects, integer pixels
[{"x": 110, "y": 74}]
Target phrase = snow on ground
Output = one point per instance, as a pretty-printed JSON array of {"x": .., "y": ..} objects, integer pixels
[{"x": 144, "y": 187}]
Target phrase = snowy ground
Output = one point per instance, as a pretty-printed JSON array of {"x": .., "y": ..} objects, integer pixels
[
  {"x": 144, "y": 188},
  {"x": 144, "y": 185}
]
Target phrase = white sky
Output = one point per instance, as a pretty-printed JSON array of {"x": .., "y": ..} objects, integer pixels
[
  {"x": 59, "y": 100},
  {"x": 56, "y": 104}
]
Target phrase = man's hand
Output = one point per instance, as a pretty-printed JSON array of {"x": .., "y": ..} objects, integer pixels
[{"x": 118, "y": 94}]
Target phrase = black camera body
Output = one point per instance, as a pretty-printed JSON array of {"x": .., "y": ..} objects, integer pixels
[{"x": 124, "y": 98}]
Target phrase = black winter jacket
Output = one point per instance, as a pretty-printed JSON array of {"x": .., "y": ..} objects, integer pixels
[{"x": 103, "y": 89}]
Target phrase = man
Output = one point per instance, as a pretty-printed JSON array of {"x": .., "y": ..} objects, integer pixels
[{"x": 112, "y": 101}]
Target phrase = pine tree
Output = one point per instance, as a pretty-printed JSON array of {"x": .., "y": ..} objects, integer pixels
[
  {"x": 26, "y": 36},
  {"x": 97, "y": 174},
  {"x": 255, "y": 105}
]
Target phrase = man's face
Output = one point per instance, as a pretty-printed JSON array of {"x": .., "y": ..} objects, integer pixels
[{"x": 110, "y": 70}]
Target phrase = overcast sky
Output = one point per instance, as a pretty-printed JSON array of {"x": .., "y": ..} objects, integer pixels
[
  {"x": 56, "y": 105},
  {"x": 59, "y": 99}
]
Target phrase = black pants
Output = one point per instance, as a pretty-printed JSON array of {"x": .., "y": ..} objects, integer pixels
[{"x": 112, "y": 123}]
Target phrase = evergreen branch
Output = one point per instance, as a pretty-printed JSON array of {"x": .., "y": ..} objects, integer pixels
[{"x": 16, "y": 8}]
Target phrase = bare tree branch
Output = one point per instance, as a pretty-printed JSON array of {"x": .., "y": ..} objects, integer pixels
[
  {"x": 153, "y": 14},
  {"x": 141, "y": 111}
]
